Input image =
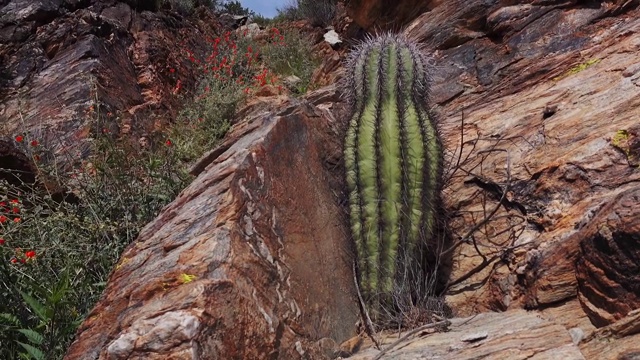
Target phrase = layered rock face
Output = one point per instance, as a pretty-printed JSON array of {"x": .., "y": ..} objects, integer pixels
[
  {"x": 387, "y": 15},
  {"x": 548, "y": 96},
  {"x": 608, "y": 267},
  {"x": 543, "y": 97},
  {"x": 253, "y": 260},
  {"x": 59, "y": 58},
  {"x": 250, "y": 262}
]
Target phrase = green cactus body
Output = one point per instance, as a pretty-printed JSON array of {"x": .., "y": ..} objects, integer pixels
[{"x": 393, "y": 164}]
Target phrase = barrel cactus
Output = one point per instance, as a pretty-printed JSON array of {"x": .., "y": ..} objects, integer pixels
[{"x": 393, "y": 162}]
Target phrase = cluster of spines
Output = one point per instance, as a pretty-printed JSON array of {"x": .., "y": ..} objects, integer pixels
[{"x": 393, "y": 162}]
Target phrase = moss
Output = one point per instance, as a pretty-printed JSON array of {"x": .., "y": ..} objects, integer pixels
[
  {"x": 576, "y": 69},
  {"x": 627, "y": 142},
  {"x": 620, "y": 139},
  {"x": 186, "y": 278}
]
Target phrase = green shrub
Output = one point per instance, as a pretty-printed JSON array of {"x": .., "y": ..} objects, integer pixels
[
  {"x": 234, "y": 7},
  {"x": 261, "y": 20},
  {"x": 288, "y": 53},
  {"x": 318, "y": 12},
  {"x": 56, "y": 255}
]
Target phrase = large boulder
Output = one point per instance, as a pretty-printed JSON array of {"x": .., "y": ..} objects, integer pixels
[{"x": 249, "y": 262}]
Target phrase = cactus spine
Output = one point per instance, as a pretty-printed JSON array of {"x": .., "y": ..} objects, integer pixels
[{"x": 393, "y": 162}]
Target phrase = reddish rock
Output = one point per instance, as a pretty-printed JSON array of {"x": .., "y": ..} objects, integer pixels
[
  {"x": 249, "y": 262},
  {"x": 608, "y": 267},
  {"x": 387, "y": 15},
  {"x": 59, "y": 58},
  {"x": 551, "y": 89}
]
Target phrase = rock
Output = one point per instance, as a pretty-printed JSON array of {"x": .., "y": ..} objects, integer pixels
[
  {"x": 233, "y": 21},
  {"x": 292, "y": 81},
  {"x": 546, "y": 97},
  {"x": 473, "y": 337},
  {"x": 514, "y": 334},
  {"x": 18, "y": 168},
  {"x": 247, "y": 262},
  {"x": 267, "y": 91},
  {"x": 251, "y": 31},
  {"x": 608, "y": 267},
  {"x": 618, "y": 340},
  {"x": 386, "y": 15},
  {"x": 332, "y": 38},
  {"x": 57, "y": 60},
  {"x": 576, "y": 335}
]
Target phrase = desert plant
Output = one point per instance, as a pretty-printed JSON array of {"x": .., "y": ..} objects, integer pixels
[
  {"x": 235, "y": 7},
  {"x": 317, "y": 12},
  {"x": 393, "y": 160},
  {"x": 262, "y": 21},
  {"x": 288, "y": 52}
]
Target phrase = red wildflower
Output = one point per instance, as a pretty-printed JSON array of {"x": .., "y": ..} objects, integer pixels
[
  {"x": 16, "y": 220},
  {"x": 14, "y": 260},
  {"x": 172, "y": 70},
  {"x": 30, "y": 254},
  {"x": 3, "y": 204},
  {"x": 15, "y": 201},
  {"x": 3, "y": 219},
  {"x": 16, "y": 210},
  {"x": 2, "y": 241},
  {"x": 34, "y": 143},
  {"x": 19, "y": 138},
  {"x": 168, "y": 142}
]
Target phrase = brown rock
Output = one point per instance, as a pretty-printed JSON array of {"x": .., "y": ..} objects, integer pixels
[
  {"x": 503, "y": 82},
  {"x": 266, "y": 91},
  {"x": 249, "y": 262},
  {"x": 384, "y": 15},
  {"x": 608, "y": 269},
  {"x": 58, "y": 60},
  {"x": 618, "y": 340},
  {"x": 516, "y": 334}
]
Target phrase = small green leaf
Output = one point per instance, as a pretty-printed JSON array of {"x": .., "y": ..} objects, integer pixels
[
  {"x": 36, "y": 306},
  {"x": 33, "y": 336},
  {"x": 9, "y": 319},
  {"x": 33, "y": 351}
]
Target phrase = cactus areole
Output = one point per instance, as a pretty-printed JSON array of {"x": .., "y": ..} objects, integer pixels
[{"x": 393, "y": 162}]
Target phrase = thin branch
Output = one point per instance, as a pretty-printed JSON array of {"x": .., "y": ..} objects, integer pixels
[
  {"x": 368, "y": 324},
  {"x": 408, "y": 335}
]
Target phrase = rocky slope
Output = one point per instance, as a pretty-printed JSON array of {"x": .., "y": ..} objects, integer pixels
[
  {"x": 252, "y": 260},
  {"x": 66, "y": 63},
  {"x": 548, "y": 96}
]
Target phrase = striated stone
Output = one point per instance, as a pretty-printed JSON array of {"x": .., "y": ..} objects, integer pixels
[
  {"x": 514, "y": 334},
  {"x": 618, "y": 340},
  {"x": 563, "y": 163},
  {"x": 58, "y": 59},
  {"x": 248, "y": 262},
  {"x": 608, "y": 267}
]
